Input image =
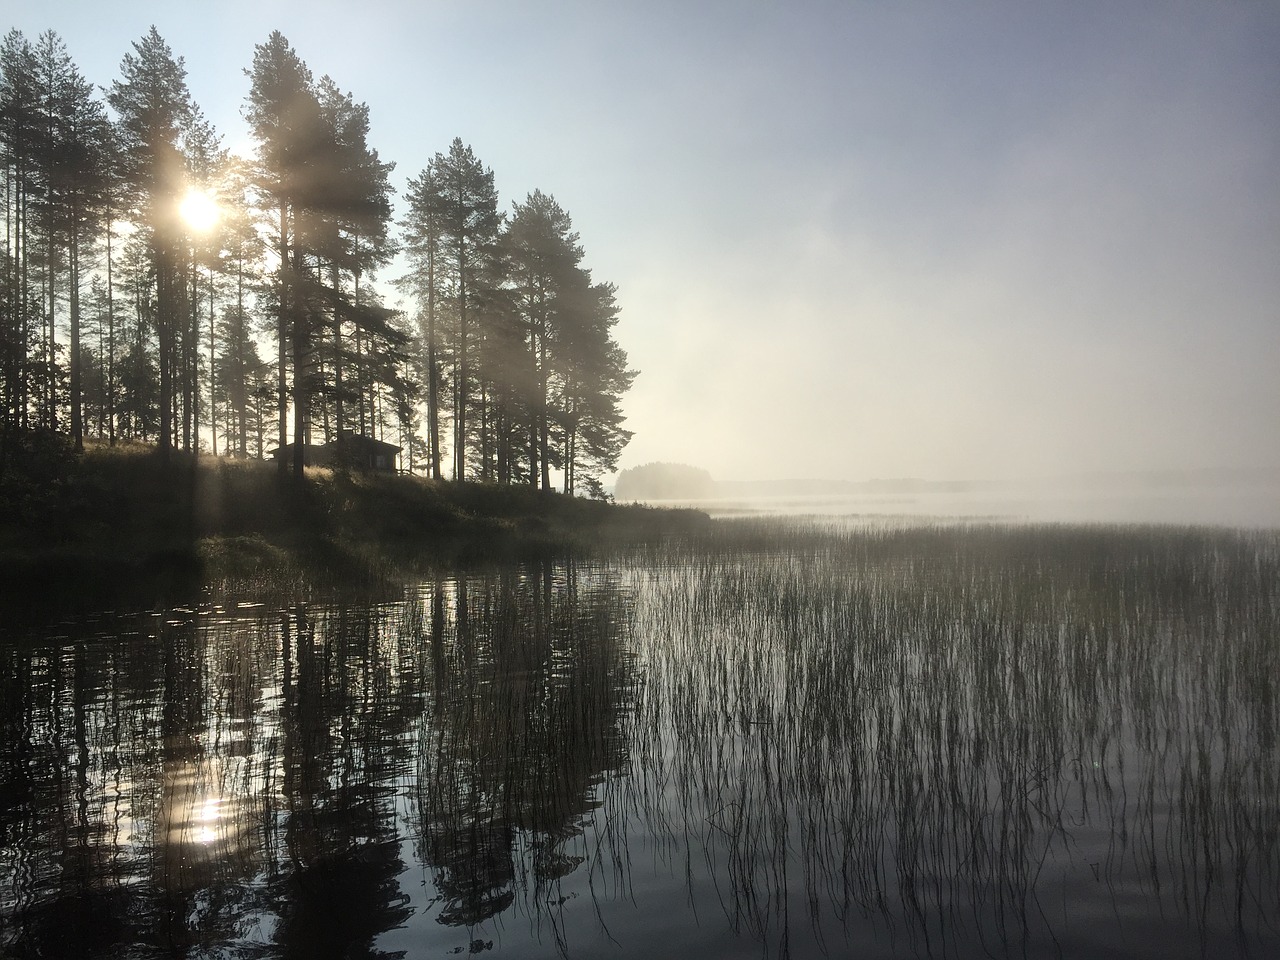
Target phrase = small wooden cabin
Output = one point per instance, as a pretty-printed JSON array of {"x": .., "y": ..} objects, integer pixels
[{"x": 352, "y": 450}]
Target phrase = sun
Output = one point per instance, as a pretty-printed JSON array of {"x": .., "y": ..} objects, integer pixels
[{"x": 199, "y": 210}]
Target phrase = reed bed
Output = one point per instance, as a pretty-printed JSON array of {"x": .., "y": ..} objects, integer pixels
[{"x": 947, "y": 732}]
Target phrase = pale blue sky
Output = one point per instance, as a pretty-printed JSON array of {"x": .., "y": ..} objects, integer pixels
[{"x": 851, "y": 239}]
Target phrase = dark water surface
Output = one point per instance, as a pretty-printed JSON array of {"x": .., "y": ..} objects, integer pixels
[{"x": 940, "y": 741}]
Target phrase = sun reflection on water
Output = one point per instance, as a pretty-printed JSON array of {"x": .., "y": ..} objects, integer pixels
[{"x": 206, "y": 821}]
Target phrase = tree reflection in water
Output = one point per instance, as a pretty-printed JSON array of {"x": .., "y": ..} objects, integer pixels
[
  {"x": 531, "y": 679},
  {"x": 231, "y": 778},
  {"x": 916, "y": 741}
]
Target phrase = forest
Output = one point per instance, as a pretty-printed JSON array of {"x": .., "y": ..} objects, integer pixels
[{"x": 155, "y": 287}]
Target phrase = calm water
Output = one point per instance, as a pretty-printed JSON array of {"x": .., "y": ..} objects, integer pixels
[
  {"x": 958, "y": 741},
  {"x": 1251, "y": 503}
]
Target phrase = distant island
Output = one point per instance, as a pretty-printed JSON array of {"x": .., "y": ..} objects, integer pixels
[{"x": 665, "y": 481}]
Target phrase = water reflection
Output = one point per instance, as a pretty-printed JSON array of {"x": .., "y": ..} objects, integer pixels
[
  {"x": 225, "y": 778},
  {"x": 796, "y": 742},
  {"x": 524, "y": 719},
  {"x": 974, "y": 741}
]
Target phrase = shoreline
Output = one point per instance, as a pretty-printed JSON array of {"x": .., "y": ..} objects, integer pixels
[{"x": 119, "y": 522}]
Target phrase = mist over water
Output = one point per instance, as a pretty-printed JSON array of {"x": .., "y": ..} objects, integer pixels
[
  {"x": 969, "y": 718},
  {"x": 1248, "y": 503}
]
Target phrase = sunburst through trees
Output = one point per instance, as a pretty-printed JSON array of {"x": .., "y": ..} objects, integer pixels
[{"x": 147, "y": 270}]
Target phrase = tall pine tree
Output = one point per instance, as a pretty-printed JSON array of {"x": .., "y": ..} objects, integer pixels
[
  {"x": 469, "y": 228},
  {"x": 154, "y": 109}
]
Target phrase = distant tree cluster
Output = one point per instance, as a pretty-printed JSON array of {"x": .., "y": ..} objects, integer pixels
[
  {"x": 664, "y": 481},
  {"x": 146, "y": 271}
]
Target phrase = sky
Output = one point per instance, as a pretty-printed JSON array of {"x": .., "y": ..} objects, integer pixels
[{"x": 851, "y": 239}]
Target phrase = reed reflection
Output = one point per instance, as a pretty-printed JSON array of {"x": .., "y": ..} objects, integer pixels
[
  {"x": 532, "y": 680},
  {"x": 962, "y": 742}
]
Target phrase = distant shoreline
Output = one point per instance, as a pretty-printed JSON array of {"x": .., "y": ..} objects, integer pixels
[
  {"x": 1242, "y": 505},
  {"x": 1113, "y": 481}
]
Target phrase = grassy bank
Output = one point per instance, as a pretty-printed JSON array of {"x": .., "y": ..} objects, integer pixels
[{"x": 113, "y": 519}]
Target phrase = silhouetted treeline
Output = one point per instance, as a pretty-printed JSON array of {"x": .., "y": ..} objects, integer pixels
[{"x": 154, "y": 286}]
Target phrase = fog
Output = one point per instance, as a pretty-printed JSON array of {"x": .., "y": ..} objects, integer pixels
[
  {"x": 1228, "y": 498},
  {"x": 988, "y": 241},
  {"x": 1245, "y": 503},
  {"x": 1067, "y": 266}
]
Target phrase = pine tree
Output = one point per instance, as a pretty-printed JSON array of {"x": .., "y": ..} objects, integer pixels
[
  {"x": 514, "y": 345},
  {"x": 544, "y": 256},
  {"x": 154, "y": 108},
  {"x": 206, "y": 167},
  {"x": 54, "y": 138},
  {"x": 591, "y": 375},
  {"x": 19, "y": 123},
  {"x": 469, "y": 229},
  {"x": 137, "y": 381},
  {"x": 239, "y": 371},
  {"x": 284, "y": 115},
  {"x": 424, "y": 251},
  {"x": 355, "y": 210},
  {"x": 330, "y": 195}
]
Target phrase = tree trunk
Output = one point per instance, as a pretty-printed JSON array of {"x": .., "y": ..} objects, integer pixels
[
  {"x": 282, "y": 338},
  {"x": 165, "y": 311},
  {"x": 111, "y": 343},
  {"x": 460, "y": 408},
  {"x": 301, "y": 392},
  {"x": 77, "y": 420},
  {"x": 242, "y": 388},
  {"x": 338, "y": 415},
  {"x": 213, "y": 378},
  {"x": 433, "y": 375},
  {"x": 543, "y": 433}
]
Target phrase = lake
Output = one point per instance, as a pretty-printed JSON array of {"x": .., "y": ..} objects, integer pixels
[
  {"x": 1247, "y": 500},
  {"x": 788, "y": 738}
]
